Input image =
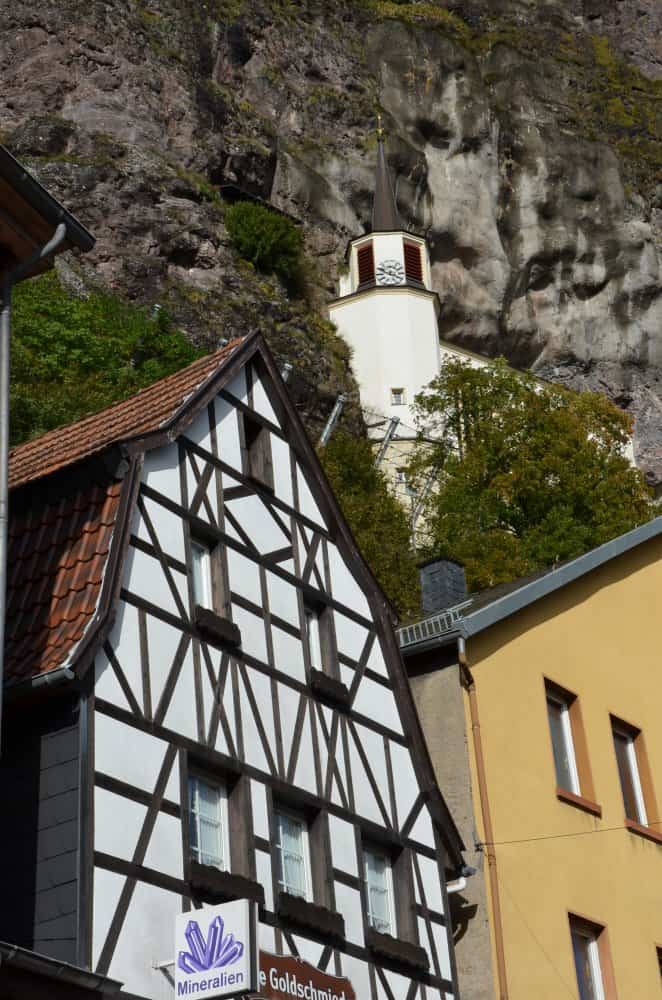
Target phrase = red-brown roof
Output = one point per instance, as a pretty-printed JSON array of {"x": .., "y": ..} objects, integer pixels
[
  {"x": 57, "y": 556},
  {"x": 61, "y": 532},
  {"x": 147, "y": 411}
]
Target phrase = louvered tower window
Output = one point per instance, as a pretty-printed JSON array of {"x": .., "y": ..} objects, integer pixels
[
  {"x": 366, "y": 263},
  {"x": 413, "y": 263}
]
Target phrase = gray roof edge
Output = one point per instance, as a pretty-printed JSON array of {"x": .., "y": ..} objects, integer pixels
[
  {"x": 43, "y": 202},
  {"x": 530, "y": 592}
]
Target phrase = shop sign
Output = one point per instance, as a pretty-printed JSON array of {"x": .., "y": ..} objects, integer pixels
[
  {"x": 216, "y": 952},
  {"x": 283, "y": 977}
]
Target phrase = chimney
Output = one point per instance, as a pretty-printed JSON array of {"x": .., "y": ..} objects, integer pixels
[{"x": 442, "y": 585}]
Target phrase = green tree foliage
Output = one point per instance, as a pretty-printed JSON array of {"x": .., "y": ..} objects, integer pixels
[
  {"x": 377, "y": 520},
  {"x": 526, "y": 477},
  {"x": 270, "y": 241},
  {"x": 75, "y": 356}
]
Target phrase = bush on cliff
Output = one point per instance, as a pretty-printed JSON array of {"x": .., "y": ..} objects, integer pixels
[{"x": 271, "y": 242}]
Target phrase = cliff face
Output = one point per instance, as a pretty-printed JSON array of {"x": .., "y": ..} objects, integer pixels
[{"x": 526, "y": 139}]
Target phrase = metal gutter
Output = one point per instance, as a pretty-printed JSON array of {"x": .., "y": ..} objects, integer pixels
[
  {"x": 41, "y": 201},
  {"x": 557, "y": 578},
  {"x": 52, "y": 678},
  {"x": 53, "y": 969}
]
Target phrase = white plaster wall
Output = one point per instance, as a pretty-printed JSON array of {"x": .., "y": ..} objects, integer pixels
[{"x": 395, "y": 344}]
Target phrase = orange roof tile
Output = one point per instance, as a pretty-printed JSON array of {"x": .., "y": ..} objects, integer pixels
[
  {"x": 60, "y": 538},
  {"x": 146, "y": 411}
]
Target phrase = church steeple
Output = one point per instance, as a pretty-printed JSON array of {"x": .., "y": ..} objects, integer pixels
[{"x": 385, "y": 216}]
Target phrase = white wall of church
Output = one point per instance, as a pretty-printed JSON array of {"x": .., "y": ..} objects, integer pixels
[{"x": 395, "y": 345}]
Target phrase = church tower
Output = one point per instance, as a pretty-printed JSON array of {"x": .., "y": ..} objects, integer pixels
[{"x": 387, "y": 311}]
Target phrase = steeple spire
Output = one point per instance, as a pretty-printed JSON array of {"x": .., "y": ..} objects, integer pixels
[{"x": 384, "y": 209}]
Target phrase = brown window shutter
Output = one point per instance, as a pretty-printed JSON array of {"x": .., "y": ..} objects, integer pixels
[
  {"x": 366, "y": 262},
  {"x": 413, "y": 265}
]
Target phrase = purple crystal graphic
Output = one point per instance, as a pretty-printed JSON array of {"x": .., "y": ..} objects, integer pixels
[{"x": 218, "y": 951}]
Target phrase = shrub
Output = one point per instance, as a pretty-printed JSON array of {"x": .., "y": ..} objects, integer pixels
[
  {"x": 75, "y": 356},
  {"x": 271, "y": 242}
]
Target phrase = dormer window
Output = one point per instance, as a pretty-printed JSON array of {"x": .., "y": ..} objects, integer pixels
[
  {"x": 413, "y": 262},
  {"x": 365, "y": 259}
]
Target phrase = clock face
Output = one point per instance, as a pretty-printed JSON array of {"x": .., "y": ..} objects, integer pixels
[{"x": 390, "y": 272}]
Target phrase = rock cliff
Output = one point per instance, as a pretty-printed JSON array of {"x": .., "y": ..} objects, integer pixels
[{"x": 526, "y": 138}]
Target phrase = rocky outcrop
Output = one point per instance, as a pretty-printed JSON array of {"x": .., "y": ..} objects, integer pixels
[{"x": 526, "y": 138}]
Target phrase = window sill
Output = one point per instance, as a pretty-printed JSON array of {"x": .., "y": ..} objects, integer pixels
[
  {"x": 211, "y": 626},
  {"x": 329, "y": 687},
  {"x": 563, "y": 795},
  {"x": 395, "y": 950},
  {"x": 214, "y": 886},
  {"x": 311, "y": 916},
  {"x": 643, "y": 831}
]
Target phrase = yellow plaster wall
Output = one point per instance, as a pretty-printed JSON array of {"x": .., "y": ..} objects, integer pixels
[{"x": 601, "y": 638}]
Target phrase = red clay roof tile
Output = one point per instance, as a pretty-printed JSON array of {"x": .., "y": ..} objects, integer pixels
[{"x": 60, "y": 539}]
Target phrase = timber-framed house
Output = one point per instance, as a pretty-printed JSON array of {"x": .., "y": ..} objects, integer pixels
[{"x": 205, "y": 701}]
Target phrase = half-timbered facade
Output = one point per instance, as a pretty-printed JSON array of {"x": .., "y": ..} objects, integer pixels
[{"x": 206, "y": 700}]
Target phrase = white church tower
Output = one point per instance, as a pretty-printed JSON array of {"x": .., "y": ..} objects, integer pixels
[{"x": 387, "y": 312}]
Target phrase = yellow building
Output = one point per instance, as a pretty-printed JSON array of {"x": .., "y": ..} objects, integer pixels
[{"x": 548, "y": 692}]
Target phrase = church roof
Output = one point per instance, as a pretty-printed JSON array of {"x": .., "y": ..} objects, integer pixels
[{"x": 385, "y": 216}]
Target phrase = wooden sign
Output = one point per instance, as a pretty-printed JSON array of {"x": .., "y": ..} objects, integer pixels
[{"x": 283, "y": 977}]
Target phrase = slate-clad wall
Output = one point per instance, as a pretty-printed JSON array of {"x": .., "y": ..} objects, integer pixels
[{"x": 39, "y": 785}]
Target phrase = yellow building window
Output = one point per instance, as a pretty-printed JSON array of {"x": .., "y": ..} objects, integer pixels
[
  {"x": 590, "y": 951},
  {"x": 574, "y": 783},
  {"x": 635, "y": 779}
]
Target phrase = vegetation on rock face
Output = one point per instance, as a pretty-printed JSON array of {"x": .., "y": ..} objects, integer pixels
[
  {"x": 378, "y": 522},
  {"x": 528, "y": 476},
  {"x": 271, "y": 242},
  {"x": 71, "y": 357}
]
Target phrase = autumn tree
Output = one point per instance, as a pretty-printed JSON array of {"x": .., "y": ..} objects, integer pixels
[{"x": 526, "y": 475}]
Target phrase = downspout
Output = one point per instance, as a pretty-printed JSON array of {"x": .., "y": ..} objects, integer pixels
[
  {"x": 490, "y": 854},
  {"x": 8, "y": 282}
]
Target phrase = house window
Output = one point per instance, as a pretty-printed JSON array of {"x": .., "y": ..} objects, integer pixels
[
  {"x": 563, "y": 748},
  {"x": 292, "y": 855},
  {"x": 208, "y": 823},
  {"x": 320, "y": 639},
  {"x": 257, "y": 452},
  {"x": 630, "y": 756},
  {"x": 574, "y": 783},
  {"x": 365, "y": 260},
  {"x": 201, "y": 574},
  {"x": 591, "y": 957},
  {"x": 313, "y": 638},
  {"x": 397, "y": 397},
  {"x": 413, "y": 265},
  {"x": 378, "y": 874}
]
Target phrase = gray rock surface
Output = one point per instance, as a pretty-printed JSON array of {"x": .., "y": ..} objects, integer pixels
[{"x": 526, "y": 138}]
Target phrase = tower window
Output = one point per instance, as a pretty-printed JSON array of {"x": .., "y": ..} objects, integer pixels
[
  {"x": 413, "y": 264},
  {"x": 365, "y": 259},
  {"x": 398, "y": 397}
]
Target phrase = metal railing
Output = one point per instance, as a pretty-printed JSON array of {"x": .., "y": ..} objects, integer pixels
[{"x": 433, "y": 627}]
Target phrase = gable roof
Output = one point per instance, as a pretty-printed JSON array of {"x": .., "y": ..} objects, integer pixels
[
  {"x": 147, "y": 411},
  {"x": 62, "y": 530},
  {"x": 487, "y": 607}
]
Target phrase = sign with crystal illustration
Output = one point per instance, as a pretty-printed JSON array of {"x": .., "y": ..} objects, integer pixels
[
  {"x": 283, "y": 977},
  {"x": 215, "y": 950}
]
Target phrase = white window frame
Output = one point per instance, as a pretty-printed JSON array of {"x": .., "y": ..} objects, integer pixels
[
  {"x": 390, "y": 898},
  {"x": 312, "y": 621},
  {"x": 305, "y": 853},
  {"x": 594, "y": 960},
  {"x": 194, "y": 781},
  {"x": 566, "y": 729},
  {"x": 400, "y": 392},
  {"x": 640, "y": 802},
  {"x": 200, "y": 552}
]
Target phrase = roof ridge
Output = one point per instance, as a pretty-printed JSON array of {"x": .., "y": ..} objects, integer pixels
[{"x": 145, "y": 411}]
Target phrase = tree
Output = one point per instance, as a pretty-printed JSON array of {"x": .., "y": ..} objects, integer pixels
[
  {"x": 527, "y": 475},
  {"x": 74, "y": 356},
  {"x": 377, "y": 520}
]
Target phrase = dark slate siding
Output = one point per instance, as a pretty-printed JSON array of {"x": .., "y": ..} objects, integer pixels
[{"x": 39, "y": 784}]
